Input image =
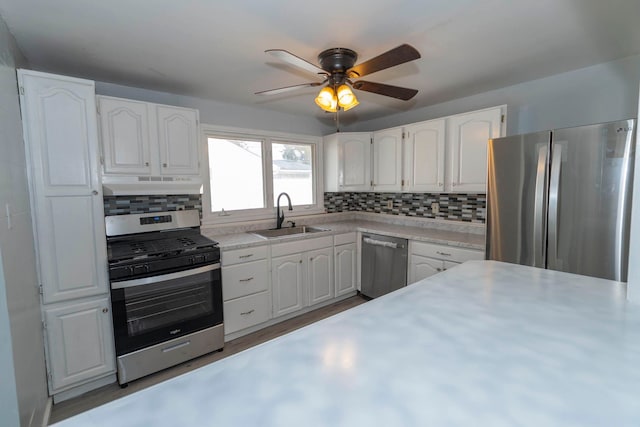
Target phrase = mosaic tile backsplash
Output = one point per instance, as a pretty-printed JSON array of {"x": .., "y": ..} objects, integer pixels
[
  {"x": 122, "y": 205},
  {"x": 452, "y": 206}
]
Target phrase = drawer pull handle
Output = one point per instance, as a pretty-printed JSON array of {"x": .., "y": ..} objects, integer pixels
[
  {"x": 247, "y": 312},
  {"x": 176, "y": 346},
  {"x": 246, "y": 256},
  {"x": 443, "y": 253},
  {"x": 248, "y": 279}
]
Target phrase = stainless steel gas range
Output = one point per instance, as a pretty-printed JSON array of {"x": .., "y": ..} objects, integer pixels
[{"x": 166, "y": 291}]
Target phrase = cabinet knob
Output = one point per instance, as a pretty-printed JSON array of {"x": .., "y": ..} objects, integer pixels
[
  {"x": 164, "y": 165},
  {"x": 439, "y": 184},
  {"x": 453, "y": 184},
  {"x": 105, "y": 310},
  {"x": 146, "y": 163},
  {"x": 94, "y": 192}
]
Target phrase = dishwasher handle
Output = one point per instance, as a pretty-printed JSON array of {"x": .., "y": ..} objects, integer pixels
[{"x": 374, "y": 242}]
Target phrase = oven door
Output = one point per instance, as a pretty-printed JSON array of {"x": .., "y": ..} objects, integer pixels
[{"x": 155, "y": 309}]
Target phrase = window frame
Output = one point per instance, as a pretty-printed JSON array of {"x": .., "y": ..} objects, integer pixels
[{"x": 267, "y": 138}]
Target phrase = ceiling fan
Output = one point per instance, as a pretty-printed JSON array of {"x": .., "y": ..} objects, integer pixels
[{"x": 338, "y": 71}]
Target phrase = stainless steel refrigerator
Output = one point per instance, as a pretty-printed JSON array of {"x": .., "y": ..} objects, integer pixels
[{"x": 561, "y": 199}]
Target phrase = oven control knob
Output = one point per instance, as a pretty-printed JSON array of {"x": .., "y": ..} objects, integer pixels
[{"x": 198, "y": 258}]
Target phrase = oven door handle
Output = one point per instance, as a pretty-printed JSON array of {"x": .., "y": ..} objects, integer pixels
[{"x": 164, "y": 277}]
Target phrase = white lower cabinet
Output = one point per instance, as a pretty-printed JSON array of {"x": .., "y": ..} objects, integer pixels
[
  {"x": 346, "y": 264},
  {"x": 320, "y": 275},
  {"x": 427, "y": 259},
  {"x": 79, "y": 342},
  {"x": 287, "y": 282},
  {"x": 245, "y": 288},
  {"x": 244, "y": 312},
  {"x": 301, "y": 274}
]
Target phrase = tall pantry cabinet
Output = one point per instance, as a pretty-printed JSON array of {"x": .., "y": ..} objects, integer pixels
[{"x": 61, "y": 142}]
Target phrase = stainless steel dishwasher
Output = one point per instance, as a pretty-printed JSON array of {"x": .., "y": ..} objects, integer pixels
[{"x": 384, "y": 264}]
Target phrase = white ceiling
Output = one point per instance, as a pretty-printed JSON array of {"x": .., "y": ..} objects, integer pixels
[{"x": 215, "y": 49}]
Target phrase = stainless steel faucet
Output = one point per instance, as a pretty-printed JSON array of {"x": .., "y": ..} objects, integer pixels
[{"x": 279, "y": 214}]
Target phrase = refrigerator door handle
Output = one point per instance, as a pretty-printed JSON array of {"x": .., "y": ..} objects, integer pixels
[
  {"x": 540, "y": 209},
  {"x": 554, "y": 190}
]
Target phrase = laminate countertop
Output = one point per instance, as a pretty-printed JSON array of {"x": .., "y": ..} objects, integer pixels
[
  {"x": 450, "y": 237},
  {"x": 482, "y": 344}
]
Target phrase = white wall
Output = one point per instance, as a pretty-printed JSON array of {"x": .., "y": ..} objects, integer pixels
[
  {"x": 223, "y": 114},
  {"x": 25, "y": 375},
  {"x": 600, "y": 93},
  {"x": 633, "y": 281}
]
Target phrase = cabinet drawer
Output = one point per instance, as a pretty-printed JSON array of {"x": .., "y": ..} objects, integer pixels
[
  {"x": 244, "y": 279},
  {"x": 341, "y": 239},
  {"x": 243, "y": 255},
  {"x": 446, "y": 253},
  {"x": 247, "y": 311}
]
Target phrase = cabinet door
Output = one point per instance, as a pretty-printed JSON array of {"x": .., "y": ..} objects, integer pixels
[
  {"x": 421, "y": 267},
  {"x": 345, "y": 266},
  {"x": 387, "y": 160},
  {"x": 244, "y": 279},
  {"x": 354, "y": 162},
  {"x": 424, "y": 146},
  {"x": 242, "y": 313},
  {"x": 178, "y": 140},
  {"x": 468, "y": 136},
  {"x": 287, "y": 284},
  {"x": 320, "y": 275},
  {"x": 62, "y": 153},
  {"x": 79, "y": 343},
  {"x": 124, "y": 131}
]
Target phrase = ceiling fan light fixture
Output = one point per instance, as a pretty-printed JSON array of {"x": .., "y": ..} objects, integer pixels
[
  {"x": 346, "y": 98},
  {"x": 327, "y": 100}
]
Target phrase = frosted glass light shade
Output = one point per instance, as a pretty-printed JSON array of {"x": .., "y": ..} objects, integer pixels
[{"x": 327, "y": 100}]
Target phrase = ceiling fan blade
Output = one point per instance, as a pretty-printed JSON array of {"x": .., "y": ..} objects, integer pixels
[
  {"x": 391, "y": 58},
  {"x": 292, "y": 59},
  {"x": 387, "y": 90},
  {"x": 288, "y": 88}
]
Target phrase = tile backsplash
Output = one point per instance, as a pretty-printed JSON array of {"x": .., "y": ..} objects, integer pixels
[
  {"x": 452, "y": 206},
  {"x": 122, "y": 205}
]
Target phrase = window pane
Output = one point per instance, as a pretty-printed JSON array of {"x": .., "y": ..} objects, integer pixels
[
  {"x": 235, "y": 170},
  {"x": 292, "y": 172}
]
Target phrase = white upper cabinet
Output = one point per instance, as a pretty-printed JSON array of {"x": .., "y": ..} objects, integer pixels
[
  {"x": 347, "y": 161},
  {"x": 468, "y": 136},
  {"x": 61, "y": 137},
  {"x": 387, "y": 160},
  {"x": 124, "y": 128},
  {"x": 424, "y": 154},
  {"x": 178, "y": 140},
  {"x": 141, "y": 138}
]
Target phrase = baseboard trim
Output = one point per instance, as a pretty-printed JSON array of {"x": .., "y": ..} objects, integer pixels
[{"x": 47, "y": 412}]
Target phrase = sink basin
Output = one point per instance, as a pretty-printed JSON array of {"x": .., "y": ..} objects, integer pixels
[{"x": 288, "y": 231}]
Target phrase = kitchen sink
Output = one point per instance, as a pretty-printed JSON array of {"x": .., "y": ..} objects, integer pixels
[{"x": 288, "y": 231}]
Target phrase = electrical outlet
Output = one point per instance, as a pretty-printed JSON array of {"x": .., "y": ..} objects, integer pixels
[
  {"x": 389, "y": 204},
  {"x": 435, "y": 208}
]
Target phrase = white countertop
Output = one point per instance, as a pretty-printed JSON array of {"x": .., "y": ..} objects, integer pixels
[
  {"x": 482, "y": 344},
  {"x": 433, "y": 235}
]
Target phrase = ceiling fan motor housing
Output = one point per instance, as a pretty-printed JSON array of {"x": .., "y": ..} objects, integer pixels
[{"x": 337, "y": 60}]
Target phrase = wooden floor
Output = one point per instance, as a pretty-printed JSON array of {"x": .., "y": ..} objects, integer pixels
[{"x": 111, "y": 392}]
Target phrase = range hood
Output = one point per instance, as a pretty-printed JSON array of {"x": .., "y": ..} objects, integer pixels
[{"x": 150, "y": 185}]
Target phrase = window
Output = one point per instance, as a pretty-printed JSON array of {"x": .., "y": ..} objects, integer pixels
[
  {"x": 247, "y": 172},
  {"x": 292, "y": 172},
  {"x": 236, "y": 174}
]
